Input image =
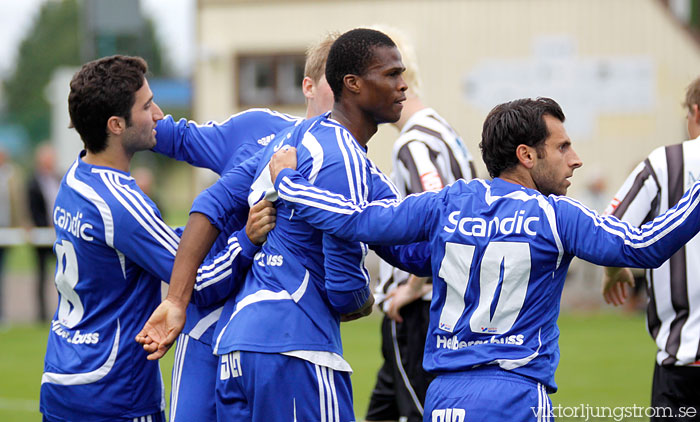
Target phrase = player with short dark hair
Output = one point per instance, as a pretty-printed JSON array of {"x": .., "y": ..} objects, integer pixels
[
  {"x": 103, "y": 89},
  {"x": 113, "y": 249},
  {"x": 285, "y": 322},
  {"x": 350, "y": 55},
  {"x": 512, "y": 124},
  {"x": 500, "y": 251},
  {"x": 107, "y": 282},
  {"x": 428, "y": 155},
  {"x": 220, "y": 147}
]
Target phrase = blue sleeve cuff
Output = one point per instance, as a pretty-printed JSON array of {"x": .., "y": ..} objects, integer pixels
[
  {"x": 345, "y": 302},
  {"x": 283, "y": 173},
  {"x": 248, "y": 248}
]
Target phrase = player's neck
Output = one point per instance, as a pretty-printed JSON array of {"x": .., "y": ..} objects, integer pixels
[
  {"x": 354, "y": 120},
  {"x": 411, "y": 106},
  {"x": 519, "y": 176},
  {"x": 113, "y": 156}
]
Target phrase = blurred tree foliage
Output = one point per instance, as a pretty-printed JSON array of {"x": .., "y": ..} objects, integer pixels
[{"x": 55, "y": 41}]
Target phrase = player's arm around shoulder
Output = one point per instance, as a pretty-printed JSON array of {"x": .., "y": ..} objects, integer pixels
[{"x": 140, "y": 233}]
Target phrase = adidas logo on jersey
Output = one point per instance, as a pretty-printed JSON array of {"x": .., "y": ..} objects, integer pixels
[
  {"x": 478, "y": 227},
  {"x": 265, "y": 140}
]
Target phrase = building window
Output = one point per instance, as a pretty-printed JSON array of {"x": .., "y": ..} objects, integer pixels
[{"x": 270, "y": 80}]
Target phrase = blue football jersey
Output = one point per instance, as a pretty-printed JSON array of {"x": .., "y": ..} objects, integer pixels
[
  {"x": 500, "y": 253},
  {"x": 112, "y": 251},
  {"x": 218, "y": 147},
  {"x": 302, "y": 280}
]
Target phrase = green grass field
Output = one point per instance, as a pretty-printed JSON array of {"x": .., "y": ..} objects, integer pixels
[{"x": 607, "y": 360}]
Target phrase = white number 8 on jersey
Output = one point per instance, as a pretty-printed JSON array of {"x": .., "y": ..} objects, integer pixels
[{"x": 70, "y": 308}]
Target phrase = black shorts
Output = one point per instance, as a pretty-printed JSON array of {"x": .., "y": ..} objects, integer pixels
[
  {"x": 677, "y": 388},
  {"x": 401, "y": 381}
]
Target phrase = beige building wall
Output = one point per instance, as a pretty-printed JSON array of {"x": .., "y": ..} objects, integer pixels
[{"x": 618, "y": 67}]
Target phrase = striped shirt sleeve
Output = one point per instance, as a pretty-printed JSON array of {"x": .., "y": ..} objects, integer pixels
[
  {"x": 377, "y": 222},
  {"x": 203, "y": 146},
  {"x": 605, "y": 240},
  {"x": 218, "y": 277},
  {"x": 142, "y": 235},
  {"x": 639, "y": 197}
]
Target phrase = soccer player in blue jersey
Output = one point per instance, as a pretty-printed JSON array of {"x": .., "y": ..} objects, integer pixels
[
  {"x": 500, "y": 251},
  {"x": 220, "y": 147},
  {"x": 113, "y": 250},
  {"x": 282, "y": 343}
]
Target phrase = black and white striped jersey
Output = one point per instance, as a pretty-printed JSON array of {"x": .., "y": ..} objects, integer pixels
[
  {"x": 673, "y": 311},
  {"x": 428, "y": 155}
]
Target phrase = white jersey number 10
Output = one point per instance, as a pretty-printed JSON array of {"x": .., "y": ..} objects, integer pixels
[{"x": 504, "y": 262}]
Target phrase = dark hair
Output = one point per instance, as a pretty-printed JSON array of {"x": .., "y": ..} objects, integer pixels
[
  {"x": 351, "y": 54},
  {"x": 511, "y": 124},
  {"x": 101, "y": 89}
]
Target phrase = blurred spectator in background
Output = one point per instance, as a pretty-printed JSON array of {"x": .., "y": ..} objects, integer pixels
[
  {"x": 10, "y": 212},
  {"x": 582, "y": 274},
  {"x": 143, "y": 176},
  {"x": 42, "y": 188}
]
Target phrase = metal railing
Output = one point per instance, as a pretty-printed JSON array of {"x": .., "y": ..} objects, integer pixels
[{"x": 36, "y": 236}]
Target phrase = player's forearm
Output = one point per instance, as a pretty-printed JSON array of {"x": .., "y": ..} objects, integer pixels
[
  {"x": 378, "y": 222},
  {"x": 212, "y": 286},
  {"x": 413, "y": 258},
  {"x": 416, "y": 283},
  {"x": 612, "y": 272},
  {"x": 197, "y": 239}
]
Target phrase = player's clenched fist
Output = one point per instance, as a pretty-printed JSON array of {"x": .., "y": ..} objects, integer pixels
[
  {"x": 286, "y": 157},
  {"x": 261, "y": 219}
]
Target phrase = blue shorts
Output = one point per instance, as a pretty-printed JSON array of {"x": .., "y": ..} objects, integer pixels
[
  {"x": 268, "y": 387},
  {"x": 486, "y": 394},
  {"x": 192, "y": 397}
]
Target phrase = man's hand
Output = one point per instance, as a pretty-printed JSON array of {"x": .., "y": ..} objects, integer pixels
[
  {"x": 365, "y": 310},
  {"x": 614, "y": 280},
  {"x": 162, "y": 328},
  {"x": 261, "y": 219},
  {"x": 286, "y": 157},
  {"x": 166, "y": 322},
  {"x": 406, "y": 293}
]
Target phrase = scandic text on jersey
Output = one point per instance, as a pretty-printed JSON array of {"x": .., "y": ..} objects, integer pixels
[{"x": 479, "y": 227}]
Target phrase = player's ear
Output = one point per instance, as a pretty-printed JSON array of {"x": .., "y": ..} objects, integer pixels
[
  {"x": 116, "y": 125},
  {"x": 695, "y": 114},
  {"x": 526, "y": 155},
  {"x": 352, "y": 83},
  {"x": 307, "y": 86}
]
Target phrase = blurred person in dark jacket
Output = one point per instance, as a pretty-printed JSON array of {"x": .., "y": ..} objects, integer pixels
[{"x": 42, "y": 188}]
